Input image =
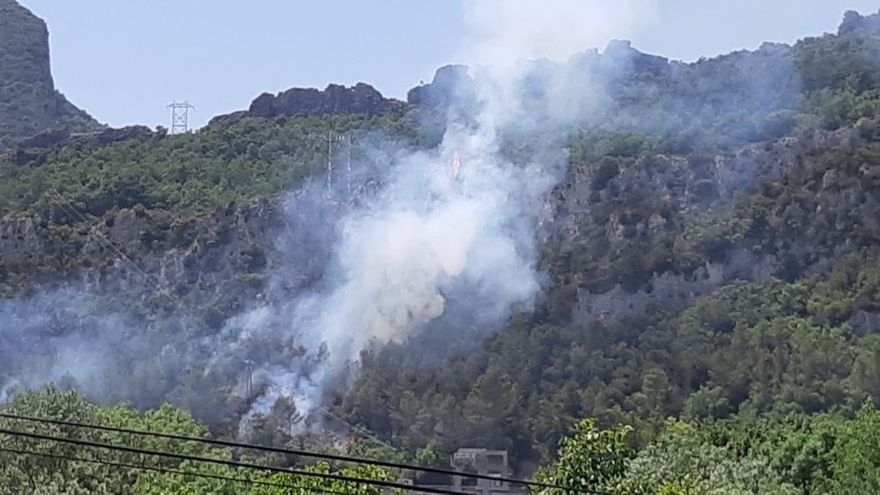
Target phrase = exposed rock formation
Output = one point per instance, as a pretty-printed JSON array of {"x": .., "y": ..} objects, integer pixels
[
  {"x": 29, "y": 102},
  {"x": 33, "y": 150},
  {"x": 449, "y": 82},
  {"x": 360, "y": 99},
  {"x": 853, "y": 22}
]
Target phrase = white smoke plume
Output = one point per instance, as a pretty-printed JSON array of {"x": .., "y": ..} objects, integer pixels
[
  {"x": 442, "y": 238},
  {"x": 506, "y": 37},
  {"x": 444, "y": 242},
  {"x": 504, "y": 33}
]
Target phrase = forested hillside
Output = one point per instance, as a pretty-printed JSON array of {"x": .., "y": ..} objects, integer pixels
[
  {"x": 702, "y": 277},
  {"x": 710, "y": 288}
]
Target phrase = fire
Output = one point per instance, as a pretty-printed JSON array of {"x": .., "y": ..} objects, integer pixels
[{"x": 456, "y": 165}]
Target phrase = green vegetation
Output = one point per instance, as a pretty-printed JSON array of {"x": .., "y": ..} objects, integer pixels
[
  {"x": 798, "y": 343},
  {"x": 739, "y": 379},
  {"x": 753, "y": 348},
  {"x": 52, "y": 474},
  {"x": 185, "y": 174},
  {"x": 784, "y": 454}
]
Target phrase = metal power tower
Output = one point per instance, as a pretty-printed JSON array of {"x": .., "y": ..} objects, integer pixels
[{"x": 180, "y": 116}]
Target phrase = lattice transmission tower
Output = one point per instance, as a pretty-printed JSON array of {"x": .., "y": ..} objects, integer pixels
[{"x": 180, "y": 116}]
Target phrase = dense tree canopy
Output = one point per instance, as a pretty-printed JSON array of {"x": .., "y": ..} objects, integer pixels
[{"x": 56, "y": 467}]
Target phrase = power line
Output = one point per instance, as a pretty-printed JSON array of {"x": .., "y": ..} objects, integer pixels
[
  {"x": 230, "y": 463},
  {"x": 362, "y": 431},
  {"x": 278, "y": 450},
  {"x": 155, "y": 284},
  {"x": 170, "y": 471},
  {"x": 67, "y": 205},
  {"x": 109, "y": 245}
]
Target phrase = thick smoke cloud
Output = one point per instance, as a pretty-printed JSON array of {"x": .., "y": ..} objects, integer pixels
[{"x": 436, "y": 241}]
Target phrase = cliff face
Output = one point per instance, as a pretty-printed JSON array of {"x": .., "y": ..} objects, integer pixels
[{"x": 29, "y": 102}]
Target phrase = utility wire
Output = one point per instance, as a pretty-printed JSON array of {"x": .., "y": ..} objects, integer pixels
[
  {"x": 235, "y": 464},
  {"x": 109, "y": 245},
  {"x": 278, "y": 450},
  {"x": 170, "y": 471},
  {"x": 67, "y": 205},
  {"x": 154, "y": 283}
]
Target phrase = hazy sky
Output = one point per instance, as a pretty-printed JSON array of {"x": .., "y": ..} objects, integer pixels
[{"x": 125, "y": 60}]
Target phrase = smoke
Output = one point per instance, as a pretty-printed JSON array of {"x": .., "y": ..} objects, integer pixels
[
  {"x": 507, "y": 37},
  {"x": 505, "y": 33},
  {"x": 423, "y": 244},
  {"x": 435, "y": 243},
  {"x": 442, "y": 245},
  {"x": 65, "y": 336}
]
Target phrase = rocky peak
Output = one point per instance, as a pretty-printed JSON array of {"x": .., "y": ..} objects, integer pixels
[
  {"x": 24, "y": 46},
  {"x": 335, "y": 99},
  {"x": 441, "y": 91},
  {"x": 853, "y": 22},
  {"x": 622, "y": 50},
  {"x": 29, "y": 102}
]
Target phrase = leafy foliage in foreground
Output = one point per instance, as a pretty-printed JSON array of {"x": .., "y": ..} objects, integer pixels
[
  {"x": 783, "y": 454},
  {"x": 44, "y": 475}
]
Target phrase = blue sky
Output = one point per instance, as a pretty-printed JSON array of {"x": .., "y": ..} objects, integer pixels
[{"x": 124, "y": 60}]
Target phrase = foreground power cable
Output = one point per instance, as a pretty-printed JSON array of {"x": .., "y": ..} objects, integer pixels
[
  {"x": 235, "y": 464},
  {"x": 170, "y": 471},
  {"x": 303, "y": 453}
]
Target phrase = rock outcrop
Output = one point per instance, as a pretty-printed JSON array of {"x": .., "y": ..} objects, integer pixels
[
  {"x": 448, "y": 85},
  {"x": 360, "y": 99},
  {"x": 613, "y": 221},
  {"x": 29, "y": 102},
  {"x": 853, "y": 22}
]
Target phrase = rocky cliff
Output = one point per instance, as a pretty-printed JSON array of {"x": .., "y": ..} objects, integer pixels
[{"x": 29, "y": 102}]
